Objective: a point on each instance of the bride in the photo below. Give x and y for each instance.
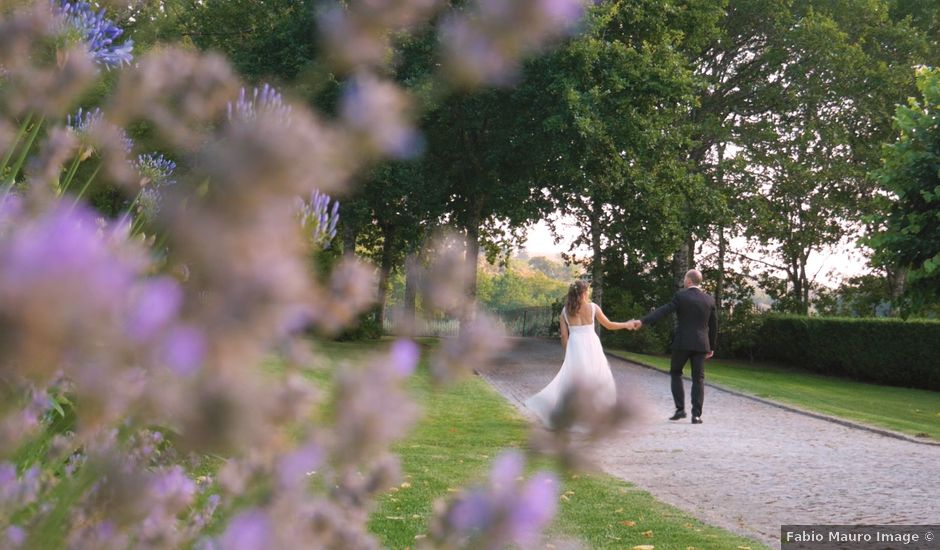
(585, 362)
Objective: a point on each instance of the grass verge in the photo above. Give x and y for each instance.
(465, 426)
(909, 411)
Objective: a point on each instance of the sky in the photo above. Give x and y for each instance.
(541, 242)
(833, 265)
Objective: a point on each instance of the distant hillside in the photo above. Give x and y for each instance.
(523, 283)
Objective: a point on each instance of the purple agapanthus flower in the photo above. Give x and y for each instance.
(83, 122)
(16, 536)
(149, 203)
(64, 245)
(378, 111)
(509, 509)
(156, 168)
(97, 32)
(173, 485)
(472, 512)
(506, 469)
(261, 100)
(11, 205)
(294, 466)
(8, 484)
(184, 349)
(319, 217)
(535, 507)
(16, 491)
(156, 306)
(404, 355)
(249, 530)
(156, 171)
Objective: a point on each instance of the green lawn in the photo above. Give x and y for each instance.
(466, 425)
(909, 411)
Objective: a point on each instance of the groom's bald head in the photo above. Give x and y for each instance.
(693, 277)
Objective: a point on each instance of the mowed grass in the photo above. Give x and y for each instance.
(465, 426)
(910, 411)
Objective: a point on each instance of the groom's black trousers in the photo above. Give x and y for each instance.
(679, 357)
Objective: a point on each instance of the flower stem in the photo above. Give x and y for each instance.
(19, 136)
(136, 199)
(159, 245)
(26, 149)
(130, 212)
(81, 193)
(137, 226)
(70, 175)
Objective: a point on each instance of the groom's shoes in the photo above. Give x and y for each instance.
(696, 419)
(680, 414)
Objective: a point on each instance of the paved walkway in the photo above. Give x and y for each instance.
(751, 467)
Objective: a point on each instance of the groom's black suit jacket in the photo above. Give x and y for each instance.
(697, 327)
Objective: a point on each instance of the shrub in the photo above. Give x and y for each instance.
(738, 332)
(883, 351)
(365, 328)
(623, 307)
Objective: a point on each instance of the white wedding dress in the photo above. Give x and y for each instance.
(585, 363)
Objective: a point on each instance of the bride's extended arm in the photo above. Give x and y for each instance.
(607, 323)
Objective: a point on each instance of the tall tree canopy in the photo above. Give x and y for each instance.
(799, 98)
(609, 115)
(910, 234)
(669, 130)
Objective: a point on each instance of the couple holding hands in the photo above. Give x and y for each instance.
(585, 362)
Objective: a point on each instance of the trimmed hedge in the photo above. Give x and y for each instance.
(883, 351)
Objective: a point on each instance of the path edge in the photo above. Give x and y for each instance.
(791, 408)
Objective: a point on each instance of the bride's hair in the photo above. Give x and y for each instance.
(575, 297)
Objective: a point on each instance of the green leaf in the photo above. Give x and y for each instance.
(57, 406)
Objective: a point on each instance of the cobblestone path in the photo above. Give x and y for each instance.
(751, 467)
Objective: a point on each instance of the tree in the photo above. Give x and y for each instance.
(475, 160)
(909, 235)
(401, 212)
(552, 269)
(862, 296)
(273, 40)
(925, 16)
(840, 65)
(820, 72)
(512, 287)
(733, 64)
(608, 132)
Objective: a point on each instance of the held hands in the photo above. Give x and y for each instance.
(633, 324)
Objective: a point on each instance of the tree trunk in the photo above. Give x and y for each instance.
(804, 298)
(897, 284)
(682, 262)
(597, 260)
(720, 279)
(385, 270)
(800, 293)
(410, 309)
(472, 228)
(350, 236)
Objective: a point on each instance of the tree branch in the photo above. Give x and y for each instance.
(768, 264)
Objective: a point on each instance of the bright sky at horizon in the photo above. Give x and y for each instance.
(833, 265)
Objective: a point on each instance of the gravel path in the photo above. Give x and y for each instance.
(750, 467)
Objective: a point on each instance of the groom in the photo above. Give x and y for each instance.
(696, 332)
